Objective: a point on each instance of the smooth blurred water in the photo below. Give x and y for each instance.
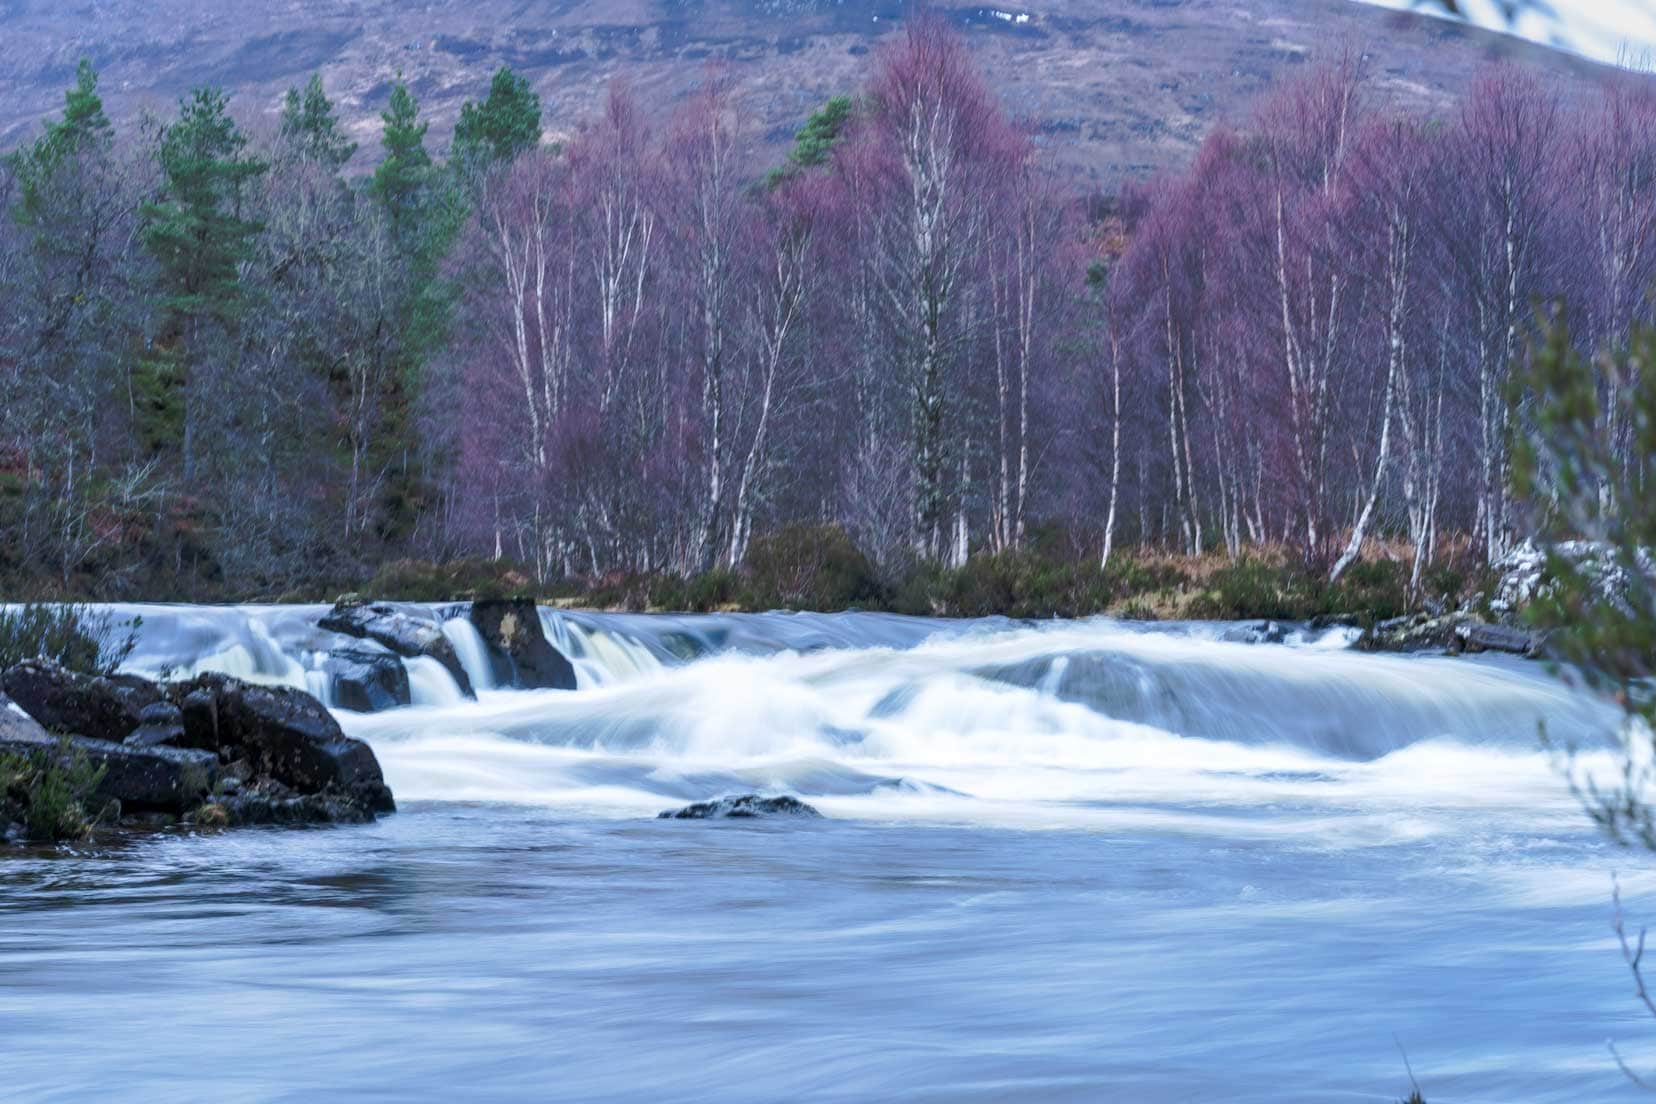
(1088, 862)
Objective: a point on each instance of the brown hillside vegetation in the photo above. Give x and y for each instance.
(1117, 88)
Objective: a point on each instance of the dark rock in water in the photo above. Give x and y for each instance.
(100, 708)
(1417, 633)
(1452, 633)
(220, 752)
(366, 681)
(518, 648)
(405, 634)
(1257, 632)
(141, 779)
(1479, 637)
(273, 803)
(746, 806)
(285, 735)
(159, 724)
(153, 779)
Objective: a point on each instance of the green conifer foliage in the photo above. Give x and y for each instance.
(816, 139)
(402, 176)
(311, 128)
(500, 128)
(83, 128)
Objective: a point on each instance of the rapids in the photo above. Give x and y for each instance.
(1079, 861)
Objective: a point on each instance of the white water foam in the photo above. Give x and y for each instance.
(473, 652)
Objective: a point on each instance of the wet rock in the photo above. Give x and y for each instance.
(367, 681)
(158, 724)
(402, 632)
(1257, 632)
(285, 736)
(1477, 636)
(518, 648)
(100, 708)
(744, 807)
(1414, 633)
(272, 803)
(141, 779)
(151, 779)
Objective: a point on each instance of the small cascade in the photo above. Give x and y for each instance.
(320, 686)
(429, 684)
(600, 658)
(473, 652)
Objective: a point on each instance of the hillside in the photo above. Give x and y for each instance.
(1117, 87)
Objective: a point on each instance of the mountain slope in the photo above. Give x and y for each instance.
(1116, 87)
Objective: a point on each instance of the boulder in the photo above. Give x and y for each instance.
(284, 734)
(1415, 633)
(740, 808)
(366, 681)
(1257, 632)
(100, 708)
(1477, 636)
(402, 632)
(159, 724)
(142, 779)
(518, 648)
(273, 803)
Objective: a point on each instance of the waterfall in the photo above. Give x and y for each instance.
(473, 652)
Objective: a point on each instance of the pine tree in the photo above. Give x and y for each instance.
(814, 141)
(311, 129)
(402, 176)
(84, 127)
(503, 126)
(197, 233)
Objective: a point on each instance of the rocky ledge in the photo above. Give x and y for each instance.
(213, 751)
(747, 806)
(1454, 634)
(368, 675)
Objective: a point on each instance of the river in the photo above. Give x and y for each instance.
(1083, 861)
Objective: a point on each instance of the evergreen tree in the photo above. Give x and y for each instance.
(816, 139)
(199, 236)
(402, 176)
(84, 127)
(504, 125)
(312, 130)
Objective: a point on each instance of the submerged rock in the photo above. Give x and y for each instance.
(518, 649)
(367, 681)
(403, 633)
(101, 708)
(744, 807)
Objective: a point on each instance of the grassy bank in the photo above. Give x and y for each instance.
(820, 569)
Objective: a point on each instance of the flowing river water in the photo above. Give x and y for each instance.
(1069, 861)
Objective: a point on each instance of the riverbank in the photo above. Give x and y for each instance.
(820, 570)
